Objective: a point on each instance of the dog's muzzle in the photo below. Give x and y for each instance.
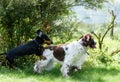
(48, 42)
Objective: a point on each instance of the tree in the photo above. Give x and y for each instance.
(113, 5)
(99, 37)
(17, 19)
(20, 18)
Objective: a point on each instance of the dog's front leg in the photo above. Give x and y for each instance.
(65, 70)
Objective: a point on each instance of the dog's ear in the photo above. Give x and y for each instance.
(39, 33)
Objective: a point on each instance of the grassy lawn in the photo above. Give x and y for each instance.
(91, 74)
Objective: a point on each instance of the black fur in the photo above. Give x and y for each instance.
(32, 47)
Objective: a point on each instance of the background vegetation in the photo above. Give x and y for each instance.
(19, 20)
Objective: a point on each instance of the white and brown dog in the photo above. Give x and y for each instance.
(69, 55)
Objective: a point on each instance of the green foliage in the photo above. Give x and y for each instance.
(105, 58)
(98, 58)
(50, 10)
(19, 19)
(24, 61)
(64, 30)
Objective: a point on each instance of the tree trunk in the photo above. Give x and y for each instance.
(112, 32)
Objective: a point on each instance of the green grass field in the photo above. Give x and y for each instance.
(87, 74)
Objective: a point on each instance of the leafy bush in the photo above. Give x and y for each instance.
(105, 58)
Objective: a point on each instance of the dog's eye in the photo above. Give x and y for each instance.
(83, 39)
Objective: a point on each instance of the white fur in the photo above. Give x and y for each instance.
(47, 64)
(75, 55)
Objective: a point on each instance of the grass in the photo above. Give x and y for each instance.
(91, 74)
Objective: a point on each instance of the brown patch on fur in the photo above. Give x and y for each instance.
(58, 52)
(88, 41)
(47, 42)
(42, 57)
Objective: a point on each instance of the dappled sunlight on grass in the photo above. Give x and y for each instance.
(90, 74)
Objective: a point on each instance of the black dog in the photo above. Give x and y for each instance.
(32, 47)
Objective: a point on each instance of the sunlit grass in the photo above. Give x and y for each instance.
(87, 74)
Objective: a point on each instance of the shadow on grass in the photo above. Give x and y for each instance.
(86, 74)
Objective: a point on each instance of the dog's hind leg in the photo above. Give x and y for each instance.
(49, 65)
(4, 62)
(65, 70)
(10, 62)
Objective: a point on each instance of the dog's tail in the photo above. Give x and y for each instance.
(4, 53)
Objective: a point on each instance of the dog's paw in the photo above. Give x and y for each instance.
(40, 71)
(66, 75)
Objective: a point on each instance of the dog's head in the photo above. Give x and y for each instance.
(87, 40)
(45, 39)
